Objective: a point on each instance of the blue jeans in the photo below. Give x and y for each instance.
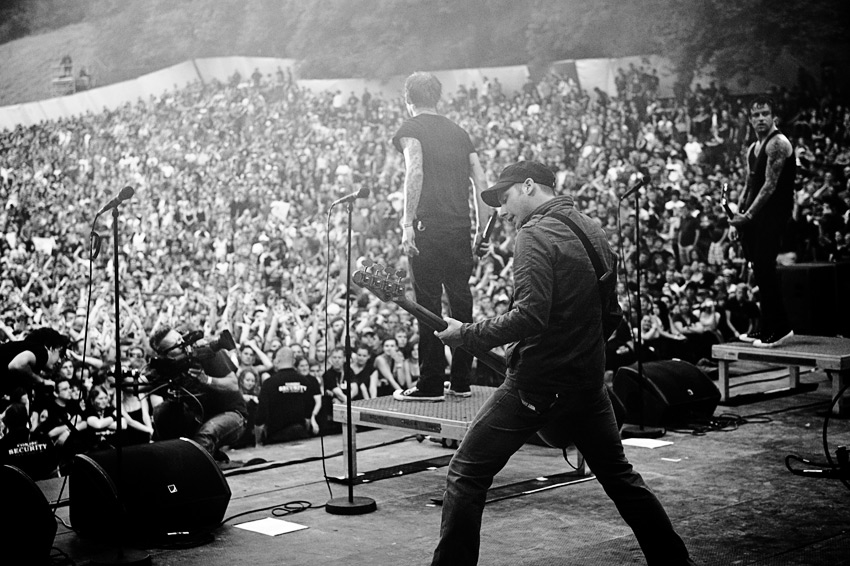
(444, 260)
(505, 422)
(220, 430)
(172, 420)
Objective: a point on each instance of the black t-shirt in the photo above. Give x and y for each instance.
(214, 402)
(446, 147)
(688, 230)
(741, 312)
(9, 380)
(286, 398)
(57, 415)
(331, 379)
(32, 452)
(99, 438)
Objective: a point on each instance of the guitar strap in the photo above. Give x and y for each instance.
(588, 247)
(612, 314)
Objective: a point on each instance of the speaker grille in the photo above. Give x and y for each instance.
(166, 487)
(673, 392)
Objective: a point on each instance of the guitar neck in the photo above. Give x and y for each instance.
(423, 315)
(434, 322)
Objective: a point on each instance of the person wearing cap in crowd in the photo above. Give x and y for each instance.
(440, 161)
(555, 366)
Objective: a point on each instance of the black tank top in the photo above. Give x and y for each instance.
(781, 201)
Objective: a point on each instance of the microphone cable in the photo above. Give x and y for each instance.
(94, 251)
(829, 469)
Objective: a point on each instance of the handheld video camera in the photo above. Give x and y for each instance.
(207, 355)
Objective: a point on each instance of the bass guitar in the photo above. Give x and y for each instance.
(389, 287)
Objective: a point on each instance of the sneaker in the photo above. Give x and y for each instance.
(751, 337)
(774, 340)
(413, 394)
(459, 392)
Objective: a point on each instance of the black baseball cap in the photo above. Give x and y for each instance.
(518, 173)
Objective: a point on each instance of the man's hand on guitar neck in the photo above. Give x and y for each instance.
(451, 335)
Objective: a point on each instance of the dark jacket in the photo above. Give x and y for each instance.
(554, 326)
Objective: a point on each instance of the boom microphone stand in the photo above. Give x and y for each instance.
(350, 505)
(119, 555)
(640, 431)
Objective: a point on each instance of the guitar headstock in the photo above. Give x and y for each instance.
(387, 286)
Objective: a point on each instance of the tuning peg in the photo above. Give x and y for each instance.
(401, 273)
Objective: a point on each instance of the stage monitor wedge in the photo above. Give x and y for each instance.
(169, 488)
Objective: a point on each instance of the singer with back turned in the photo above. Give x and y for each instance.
(441, 166)
(763, 212)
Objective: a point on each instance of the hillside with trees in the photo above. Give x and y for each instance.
(121, 39)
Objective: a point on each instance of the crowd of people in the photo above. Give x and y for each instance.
(231, 227)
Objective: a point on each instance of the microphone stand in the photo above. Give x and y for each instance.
(641, 431)
(119, 555)
(350, 505)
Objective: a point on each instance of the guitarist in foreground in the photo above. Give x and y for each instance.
(555, 365)
(762, 216)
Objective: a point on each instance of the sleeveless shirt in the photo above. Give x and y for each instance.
(781, 201)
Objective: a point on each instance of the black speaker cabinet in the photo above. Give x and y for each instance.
(815, 297)
(27, 525)
(673, 393)
(169, 488)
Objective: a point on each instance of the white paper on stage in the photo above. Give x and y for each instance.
(270, 526)
(645, 442)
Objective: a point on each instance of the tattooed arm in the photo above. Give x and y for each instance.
(413, 176)
(778, 150)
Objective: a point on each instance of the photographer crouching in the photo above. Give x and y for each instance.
(197, 380)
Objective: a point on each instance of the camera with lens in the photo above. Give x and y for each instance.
(200, 353)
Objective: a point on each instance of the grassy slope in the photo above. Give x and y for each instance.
(28, 65)
(142, 37)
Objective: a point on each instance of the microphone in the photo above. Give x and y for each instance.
(482, 239)
(362, 193)
(644, 180)
(126, 193)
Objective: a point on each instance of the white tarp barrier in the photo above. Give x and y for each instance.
(387, 89)
(596, 73)
(166, 80)
(511, 78)
(222, 68)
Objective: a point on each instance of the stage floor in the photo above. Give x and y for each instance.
(727, 491)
